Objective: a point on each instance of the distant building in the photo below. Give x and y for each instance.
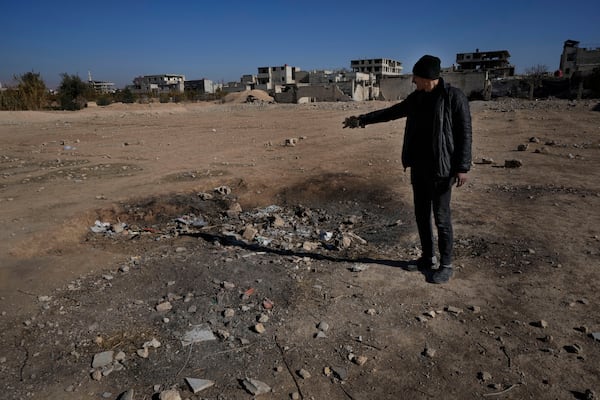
(496, 63)
(167, 83)
(379, 67)
(200, 86)
(274, 78)
(101, 86)
(577, 59)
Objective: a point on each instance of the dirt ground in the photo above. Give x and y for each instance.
(298, 264)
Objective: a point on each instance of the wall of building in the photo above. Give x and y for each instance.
(473, 84)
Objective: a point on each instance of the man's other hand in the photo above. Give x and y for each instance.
(353, 122)
(461, 179)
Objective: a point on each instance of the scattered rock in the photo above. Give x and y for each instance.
(259, 328)
(371, 311)
(513, 163)
(164, 307)
(428, 352)
(127, 395)
(573, 348)
(540, 324)
(359, 267)
(198, 333)
(304, 374)
(453, 310)
(197, 385)
(103, 359)
(169, 395)
(475, 309)
(360, 360)
(340, 373)
(484, 376)
(522, 147)
(595, 336)
(323, 326)
(256, 387)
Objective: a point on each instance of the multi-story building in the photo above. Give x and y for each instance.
(100, 86)
(166, 83)
(200, 86)
(380, 67)
(496, 63)
(578, 59)
(273, 78)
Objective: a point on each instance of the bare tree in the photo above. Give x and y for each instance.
(535, 75)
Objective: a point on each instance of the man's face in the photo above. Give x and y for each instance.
(423, 84)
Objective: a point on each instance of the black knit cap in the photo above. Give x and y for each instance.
(427, 67)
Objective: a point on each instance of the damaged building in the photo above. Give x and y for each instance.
(578, 60)
(496, 63)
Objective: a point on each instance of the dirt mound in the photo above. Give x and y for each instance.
(247, 96)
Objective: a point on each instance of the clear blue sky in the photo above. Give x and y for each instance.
(222, 40)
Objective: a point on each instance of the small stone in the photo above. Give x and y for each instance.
(256, 387)
(98, 340)
(453, 310)
(124, 268)
(97, 375)
(320, 335)
(595, 336)
(102, 359)
(327, 371)
(304, 374)
(169, 395)
(223, 334)
(44, 299)
(429, 352)
(360, 360)
(128, 395)
(263, 318)
(249, 232)
(371, 311)
(197, 385)
(295, 396)
(573, 348)
(540, 324)
(106, 395)
(228, 312)
(69, 388)
(513, 164)
(144, 352)
(323, 326)
(180, 250)
(227, 285)
(475, 309)
(534, 139)
(164, 307)
(259, 328)
(340, 373)
(484, 376)
(522, 147)
(152, 343)
(192, 309)
(430, 314)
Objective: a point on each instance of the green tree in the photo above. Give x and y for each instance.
(32, 90)
(73, 92)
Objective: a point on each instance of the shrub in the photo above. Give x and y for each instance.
(73, 92)
(103, 101)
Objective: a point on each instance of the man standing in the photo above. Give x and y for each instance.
(437, 149)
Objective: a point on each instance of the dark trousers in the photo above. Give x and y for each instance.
(433, 195)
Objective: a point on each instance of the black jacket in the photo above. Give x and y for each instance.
(452, 134)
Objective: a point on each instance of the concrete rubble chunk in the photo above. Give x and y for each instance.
(169, 395)
(164, 307)
(453, 310)
(127, 395)
(102, 359)
(198, 333)
(256, 387)
(197, 385)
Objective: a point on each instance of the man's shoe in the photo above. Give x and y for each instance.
(443, 274)
(423, 263)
